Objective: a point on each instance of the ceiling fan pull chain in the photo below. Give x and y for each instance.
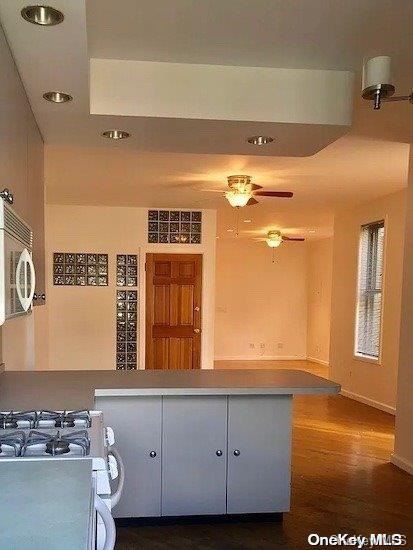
(237, 222)
(273, 255)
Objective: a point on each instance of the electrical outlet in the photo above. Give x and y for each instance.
(251, 345)
(280, 345)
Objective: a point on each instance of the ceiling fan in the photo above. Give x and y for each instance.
(275, 238)
(242, 192)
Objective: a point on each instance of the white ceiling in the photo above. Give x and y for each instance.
(153, 169)
(317, 34)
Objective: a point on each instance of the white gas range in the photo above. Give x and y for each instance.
(48, 436)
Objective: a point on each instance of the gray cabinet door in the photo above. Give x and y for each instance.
(137, 425)
(259, 450)
(193, 473)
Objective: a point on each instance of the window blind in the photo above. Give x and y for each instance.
(370, 281)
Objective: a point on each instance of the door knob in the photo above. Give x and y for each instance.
(219, 452)
(237, 452)
(197, 330)
(152, 454)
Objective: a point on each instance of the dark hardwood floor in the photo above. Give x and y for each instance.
(342, 482)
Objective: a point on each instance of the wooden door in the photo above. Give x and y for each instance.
(194, 464)
(173, 311)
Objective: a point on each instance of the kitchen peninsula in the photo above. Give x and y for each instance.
(193, 442)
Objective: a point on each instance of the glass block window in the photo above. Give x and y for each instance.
(370, 290)
(174, 226)
(80, 269)
(126, 270)
(126, 329)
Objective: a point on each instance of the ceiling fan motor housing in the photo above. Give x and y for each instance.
(240, 183)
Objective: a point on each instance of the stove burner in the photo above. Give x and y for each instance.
(57, 447)
(55, 444)
(14, 441)
(64, 419)
(18, 419)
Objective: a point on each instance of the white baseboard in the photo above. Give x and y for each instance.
(261, 358)
(401, 463)
(320, 361)
(368, 401)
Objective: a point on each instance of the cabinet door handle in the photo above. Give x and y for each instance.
(237, 452)
(152, 454)
(219, 452)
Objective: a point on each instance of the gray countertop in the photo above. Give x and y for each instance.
(76, 389)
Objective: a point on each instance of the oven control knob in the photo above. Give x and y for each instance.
(113, 467)
(110, 436)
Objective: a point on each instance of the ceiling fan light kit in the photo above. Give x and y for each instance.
(242, 191)
(377, 83)
(274, 239)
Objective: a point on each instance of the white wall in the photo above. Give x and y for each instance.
(369, 382)
(80, 321)
(319, 278)
(258, 301)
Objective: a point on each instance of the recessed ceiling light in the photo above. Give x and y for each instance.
(115, 134)
(247, 221)
(260, 140)
(57, 97)
(42, 15)
(230, 230)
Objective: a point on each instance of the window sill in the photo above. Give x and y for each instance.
(366, 359)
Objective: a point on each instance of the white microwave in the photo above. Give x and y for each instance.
(17, 275)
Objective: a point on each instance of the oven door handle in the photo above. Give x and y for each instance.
(115, 497)
(108, 522)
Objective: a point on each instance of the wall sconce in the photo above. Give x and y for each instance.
(377, 85)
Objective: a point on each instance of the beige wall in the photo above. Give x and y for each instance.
(319, 278)
(403, 449)
(80, 321)
(260, 302)
(370, 382)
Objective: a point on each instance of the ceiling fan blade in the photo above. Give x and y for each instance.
(255, 187)
(285, 194)
(251, 202)
(293, 239)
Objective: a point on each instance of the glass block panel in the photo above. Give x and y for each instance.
(69, 258)
(195, 238)
(91, 258)
(58, 257)
(121, 294)
(121, 259)
(80, 258)
(80, 268)
(174, 227)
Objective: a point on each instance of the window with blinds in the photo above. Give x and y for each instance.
(370, 281)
